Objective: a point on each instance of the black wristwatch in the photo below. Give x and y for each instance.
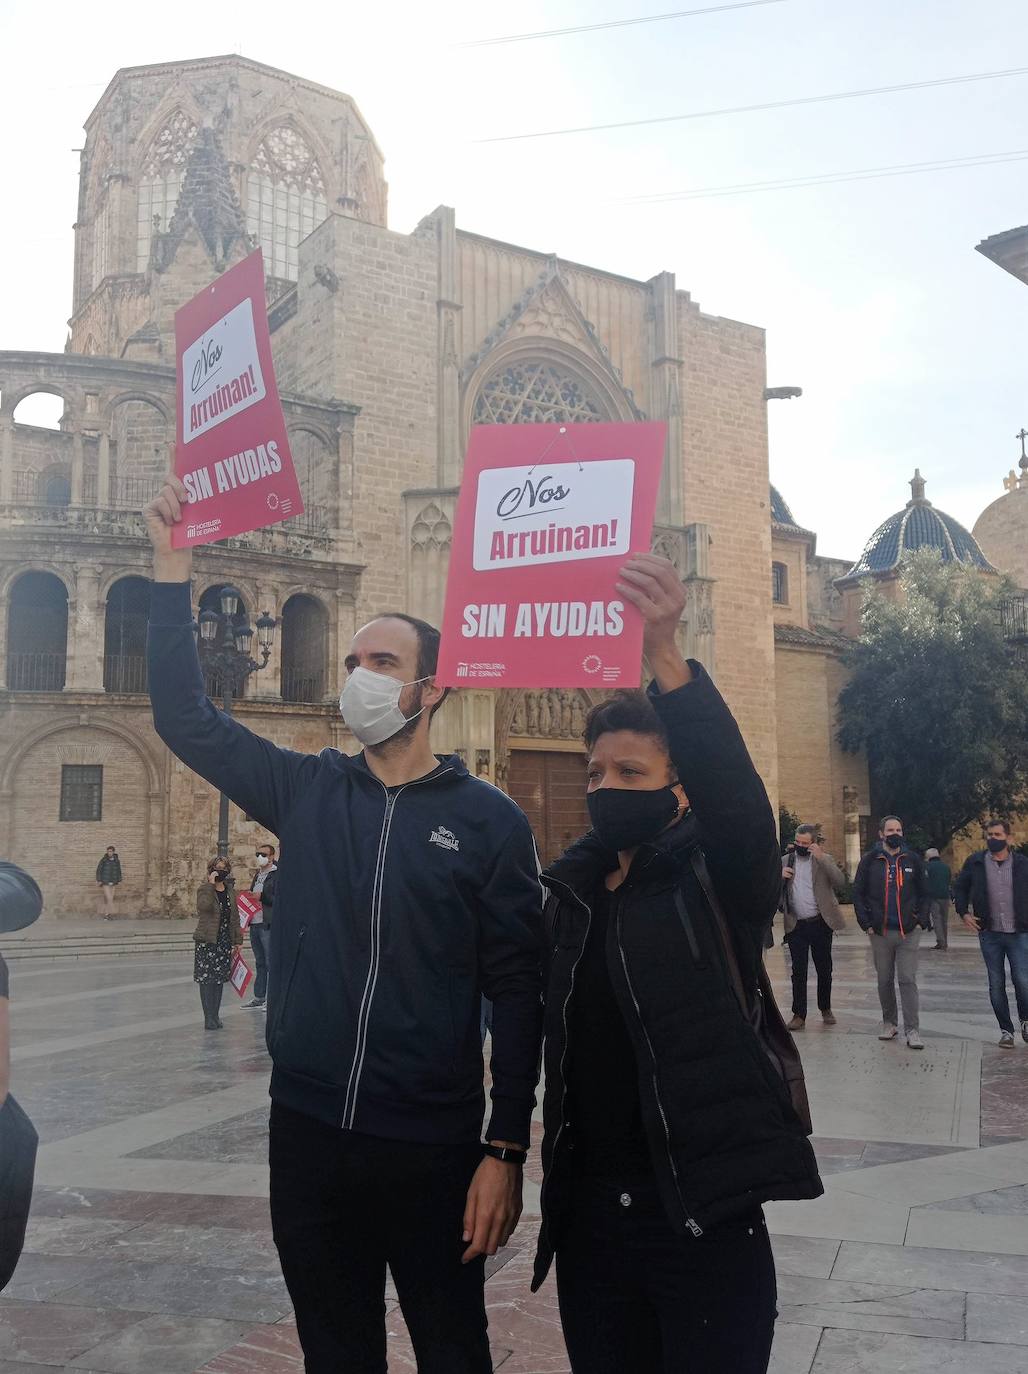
(506, 1154)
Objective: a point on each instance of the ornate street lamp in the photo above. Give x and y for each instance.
(225, 655)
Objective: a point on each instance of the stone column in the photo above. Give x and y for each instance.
(77, 467)
(448, 436)
(103, 473)
(85, 672)
(268, 682)
(666, 395)
(699, 591)
(344, 483)
(6, 459)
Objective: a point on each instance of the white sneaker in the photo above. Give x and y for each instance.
(914, 1041)
(255, 1005)
(1006, 1040)
(887, 1032)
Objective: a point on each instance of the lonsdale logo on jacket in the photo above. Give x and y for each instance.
(441, 836)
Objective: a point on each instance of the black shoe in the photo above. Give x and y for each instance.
(212, 1025)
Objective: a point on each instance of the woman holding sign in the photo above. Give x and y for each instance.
(217, 932)
(667, 1121)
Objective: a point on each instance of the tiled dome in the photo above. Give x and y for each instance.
(780, 512)
(918, 526)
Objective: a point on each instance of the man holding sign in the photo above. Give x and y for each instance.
(408, 891)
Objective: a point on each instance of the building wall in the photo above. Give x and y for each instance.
(813, 770)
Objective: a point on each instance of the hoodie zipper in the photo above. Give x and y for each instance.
(690, 1222)
(370, 983)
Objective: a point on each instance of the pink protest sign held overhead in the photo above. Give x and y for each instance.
(231, 450)
(546, 517)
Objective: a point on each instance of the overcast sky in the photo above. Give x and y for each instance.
(907, 343)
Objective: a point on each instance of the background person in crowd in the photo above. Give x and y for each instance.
(108, 876)
(810, 915)
(890, 898)
(217, 933)
(407, 890)
(937, 876)
(993, 883)
(20, 904)
(263, 886)
(665, 1126)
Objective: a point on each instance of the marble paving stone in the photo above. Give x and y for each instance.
(1011, 1202)
(990, 1235)
(236, 1141)
(9, 1367)
(907, 1266)
(218, 1247)
(170, 1345)
(871, 1307)
(40, 1278)
(804, 1256)
(912, 1185)
(997, 1317)
(861, 1089)
(839, 1216)
(864, 1352)
(794, 1349)
(193, 1290)
(264, 1350)
(72, 1235)
(53, 1334)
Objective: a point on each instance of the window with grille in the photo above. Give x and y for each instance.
(536, 392)
(779, 584)
(285, 198)
(82, 789)
(161, 180)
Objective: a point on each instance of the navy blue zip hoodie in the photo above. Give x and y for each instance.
(395, 910)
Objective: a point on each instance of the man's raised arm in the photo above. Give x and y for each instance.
(258, 776)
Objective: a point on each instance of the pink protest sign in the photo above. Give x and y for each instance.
(231, 446)
(248, 906)
(240, 973)
(546, 516)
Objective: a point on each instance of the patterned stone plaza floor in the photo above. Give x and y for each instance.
(150, 1252)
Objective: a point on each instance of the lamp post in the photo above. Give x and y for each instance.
(225, 653)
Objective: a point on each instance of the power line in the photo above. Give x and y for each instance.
(613, 24)
(767, 105)
(829, 178)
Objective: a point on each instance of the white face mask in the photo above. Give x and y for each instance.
(262, 859)
(370, 703)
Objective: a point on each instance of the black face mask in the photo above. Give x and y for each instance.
(996, 846)
(624, 817)
(802, 851)
(894, 841)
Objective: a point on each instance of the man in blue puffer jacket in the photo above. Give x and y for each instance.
(408, 890)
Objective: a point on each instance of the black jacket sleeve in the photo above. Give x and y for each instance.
(962, 889)
(861, 905)
(736, 825)
(258, 776)
(510, 969)
(268, 894)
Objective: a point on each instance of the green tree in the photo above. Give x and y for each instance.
(938, 702)
(788, 823)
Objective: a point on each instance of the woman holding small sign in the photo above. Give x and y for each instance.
(217, 933)
(674, 1108)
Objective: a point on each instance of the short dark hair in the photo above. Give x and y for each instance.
(881, 823)
(625, 710)
(428, 648)
(1007, 829)
(266, 844)
(806, 829)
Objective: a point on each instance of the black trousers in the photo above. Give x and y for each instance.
(813, 938)
(343, 1207)
(635, 1298)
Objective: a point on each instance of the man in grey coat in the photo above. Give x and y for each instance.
(811, 880)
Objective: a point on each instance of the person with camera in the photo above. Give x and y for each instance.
(667, 1125)
(891, 902)
(217, 934)
(811, 884)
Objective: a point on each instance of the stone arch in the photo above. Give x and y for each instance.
(286, 194)
(147, 397)
(36, 641)
(600, 393)
(11, 575)
(63, 855)
(304, 632)
(126, 606)
(12, 401)
(160, 169)
(53, 485)
(315, 458)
